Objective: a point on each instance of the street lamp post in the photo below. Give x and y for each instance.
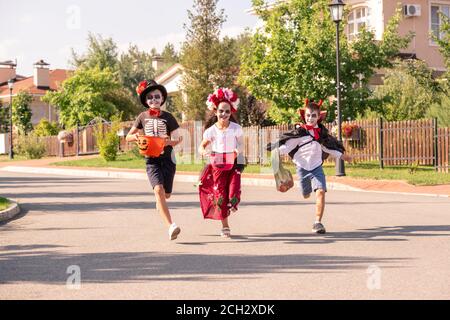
(10, 86)
(337, 10)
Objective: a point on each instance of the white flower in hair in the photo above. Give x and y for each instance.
(221, 95)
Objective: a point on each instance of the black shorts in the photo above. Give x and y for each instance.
(161, 171)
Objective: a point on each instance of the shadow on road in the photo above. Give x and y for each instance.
(381, 234)
(35, 264)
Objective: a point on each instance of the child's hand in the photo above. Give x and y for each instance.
(348, 158)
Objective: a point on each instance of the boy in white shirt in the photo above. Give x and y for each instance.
(305, 145)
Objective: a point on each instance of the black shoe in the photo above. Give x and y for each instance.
(318, 228)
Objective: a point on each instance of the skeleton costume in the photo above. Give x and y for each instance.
(220, 180)
(156, 123)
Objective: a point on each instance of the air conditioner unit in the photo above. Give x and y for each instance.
(411, 10)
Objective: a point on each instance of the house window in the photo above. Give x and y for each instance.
(357, 19)
(436, 20)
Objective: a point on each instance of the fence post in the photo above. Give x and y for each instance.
(435, 142)
(381, 143)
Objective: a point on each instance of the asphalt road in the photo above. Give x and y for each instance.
(106, 234)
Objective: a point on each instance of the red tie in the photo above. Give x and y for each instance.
(316, 131)
(154, 112)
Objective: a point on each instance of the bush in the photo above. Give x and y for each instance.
(107, 139)
(30, 146)
(46, 128)
(135, 152)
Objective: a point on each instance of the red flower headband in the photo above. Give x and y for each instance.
(141, 87)
(223, 95)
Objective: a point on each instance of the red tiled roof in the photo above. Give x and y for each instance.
(57, 76)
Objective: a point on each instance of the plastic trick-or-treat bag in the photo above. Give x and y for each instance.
(283, 177)
(150, 146)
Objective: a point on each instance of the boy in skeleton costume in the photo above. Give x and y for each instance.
(161, 168)
(308, 145)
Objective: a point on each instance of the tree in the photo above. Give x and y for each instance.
(83, 97)
(101, 53)
(170, 57)
(199, 55)
(444, 39)
(21, 112)
(408, 91)
(133, 67)
(294, 58)
(46, 128)
(4, 118)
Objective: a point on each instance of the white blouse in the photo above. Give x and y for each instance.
(308, 156)
(224, 140)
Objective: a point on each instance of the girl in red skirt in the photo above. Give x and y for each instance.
(220, 180)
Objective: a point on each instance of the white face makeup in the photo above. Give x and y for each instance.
(223, 111)
(154, 99)
(311, 117)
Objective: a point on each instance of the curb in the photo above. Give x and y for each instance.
(190, 178)
(10, 213)
(267, 181)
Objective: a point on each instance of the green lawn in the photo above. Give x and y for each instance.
(421, 176)
(5, 157)
(4, 203)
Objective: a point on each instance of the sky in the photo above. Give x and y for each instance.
(48, 29)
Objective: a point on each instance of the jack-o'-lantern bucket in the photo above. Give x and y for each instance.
(150, 146)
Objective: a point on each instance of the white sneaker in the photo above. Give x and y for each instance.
(174, 231)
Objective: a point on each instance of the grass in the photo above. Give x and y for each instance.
(422, 175)
(4, 203)
(5, 157)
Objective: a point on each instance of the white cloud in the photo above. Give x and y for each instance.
(176, 39)
(8, 48)
(232, 31)
(26, 18)
(158, 42)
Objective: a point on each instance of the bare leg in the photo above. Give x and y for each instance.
(320, 204)
(161, 204)
(225, 223)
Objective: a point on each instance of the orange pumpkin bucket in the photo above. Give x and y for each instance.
(150, 146)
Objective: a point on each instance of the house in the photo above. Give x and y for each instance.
(43, 80)
(171, 79)
(419, 16)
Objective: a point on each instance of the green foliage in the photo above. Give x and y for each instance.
(252, 112)
(133, 67)
(441, 110)
(21, 112)
(444, 40)
(46, 128)
(101, 53)
(4, 118)
(294, 57)
(408, 91)
(30, 146)
(127, 70)
(134, 152)
(200, 55)
(107, 138)
(83, 97)
(170, 57)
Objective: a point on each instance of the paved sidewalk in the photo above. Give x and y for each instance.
(336, 183)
